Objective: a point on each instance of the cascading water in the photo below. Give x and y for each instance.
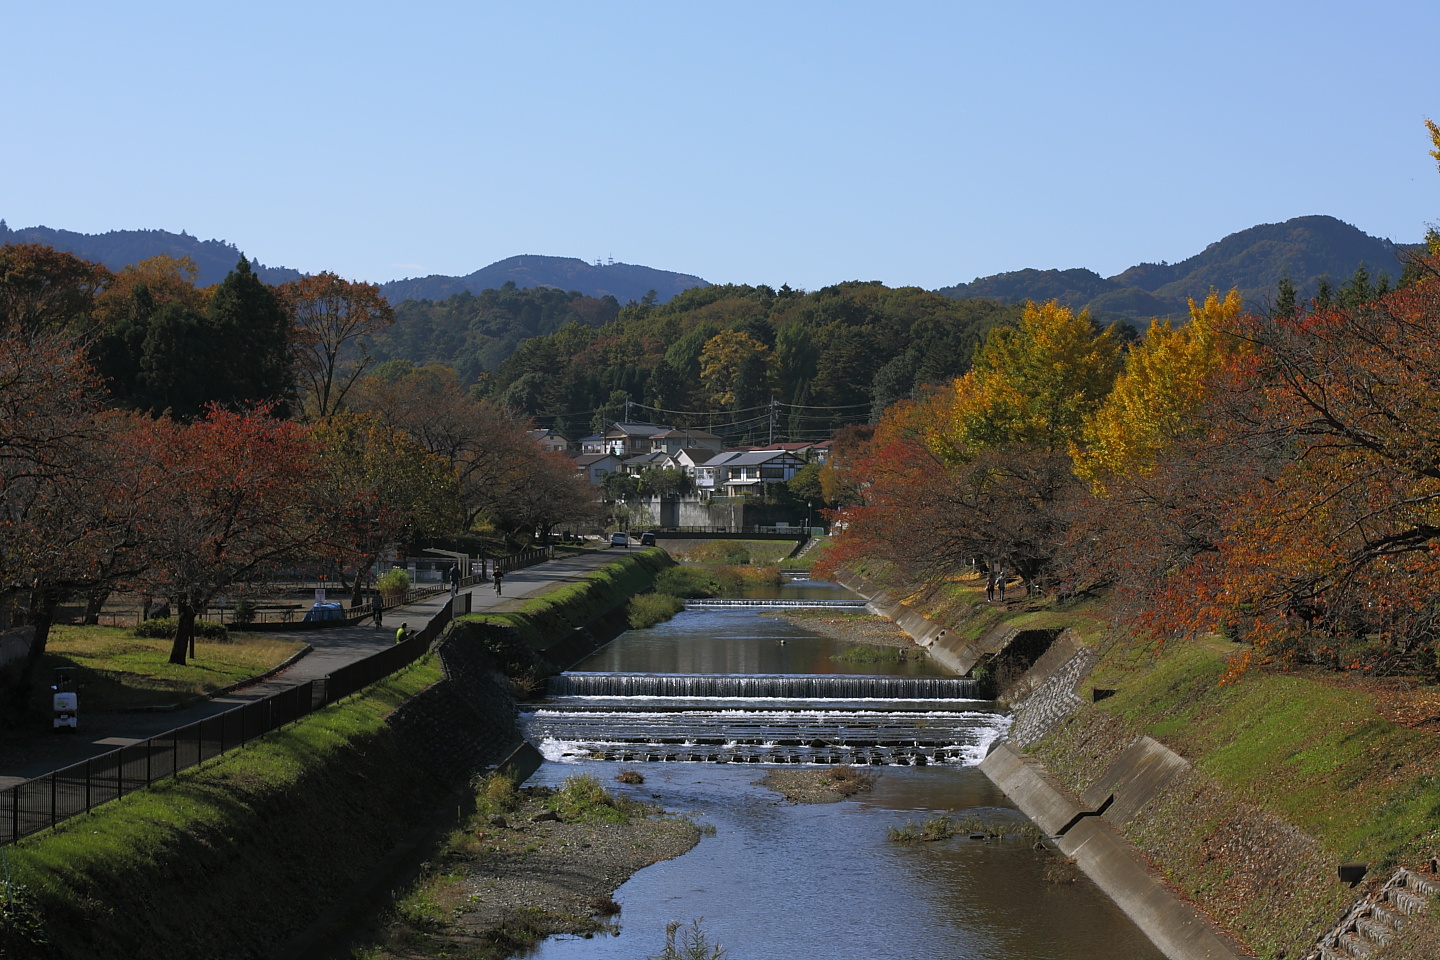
(789, 687)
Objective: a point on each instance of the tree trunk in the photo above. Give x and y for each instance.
(92, 606)
(184, 633)
(361, 572)
(41, 615)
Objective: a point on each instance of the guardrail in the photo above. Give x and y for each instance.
(45, 801)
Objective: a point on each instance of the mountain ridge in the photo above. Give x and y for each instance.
(1306, 249)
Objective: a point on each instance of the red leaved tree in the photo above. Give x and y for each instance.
(238, 504)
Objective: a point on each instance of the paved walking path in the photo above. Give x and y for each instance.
(334, 647)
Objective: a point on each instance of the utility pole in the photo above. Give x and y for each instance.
(774, 411)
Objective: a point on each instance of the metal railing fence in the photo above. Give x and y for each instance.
(45, 801)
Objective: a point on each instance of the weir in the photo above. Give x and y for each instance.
(781, 718)
(766, 686)
(760, 604)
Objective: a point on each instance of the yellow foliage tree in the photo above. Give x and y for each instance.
(1154, 401)
(735, 369)
(1032, 384)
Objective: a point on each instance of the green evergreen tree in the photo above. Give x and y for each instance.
(250, 351)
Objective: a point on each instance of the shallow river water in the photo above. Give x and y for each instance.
(778, 880)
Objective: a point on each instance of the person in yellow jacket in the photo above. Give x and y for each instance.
(403, 633)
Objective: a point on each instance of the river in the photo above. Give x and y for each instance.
(778, 880)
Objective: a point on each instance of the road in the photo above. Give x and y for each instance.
(27, 758)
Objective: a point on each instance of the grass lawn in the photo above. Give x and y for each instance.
(121, 671)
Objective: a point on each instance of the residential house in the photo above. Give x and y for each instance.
(675, 439)
(631, 439)
(549, 440)
(745, 472)
(595, 465)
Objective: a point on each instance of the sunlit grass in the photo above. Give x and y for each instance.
(122, 671)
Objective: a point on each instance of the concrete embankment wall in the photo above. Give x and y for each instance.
(945, 646)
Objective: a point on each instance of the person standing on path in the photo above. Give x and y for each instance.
(498, 577)
(455, 580)
(403, 633)
(377, 610)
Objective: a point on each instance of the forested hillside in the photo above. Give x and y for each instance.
(476, 333)
(833, 356)
(214, 259)
(1305, 249)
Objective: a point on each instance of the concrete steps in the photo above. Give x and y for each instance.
(1372, 922)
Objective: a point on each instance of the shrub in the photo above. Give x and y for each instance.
(584, 797)
(736, 580)
(719, 551)
(648, 609)
(686, 582)
(497, 793)
(394, 582)
(692, 944)
(164, 628)
(245, 611)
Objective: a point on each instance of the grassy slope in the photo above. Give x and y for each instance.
(190, 867)
(233, 857)
(545, 618)
(1294, 773)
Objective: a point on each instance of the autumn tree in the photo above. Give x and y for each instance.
(494, 460)
(1325, 543)
(378, 485)
(238, 505)
(1166, 381)
(1034, 383)
(71, 500)
(42, 288)
(735, 370)
(333, 319)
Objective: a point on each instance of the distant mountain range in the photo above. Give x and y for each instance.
(1305, 249)
(216, 258)
(623, 281)
(120, 248)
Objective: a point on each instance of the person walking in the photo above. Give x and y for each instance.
(455, 580)
(498, 577)
(403, 633)
(377, 610)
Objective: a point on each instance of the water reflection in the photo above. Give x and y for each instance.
(737, 641)
(780, 880)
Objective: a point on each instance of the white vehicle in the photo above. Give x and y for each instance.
(66, 702)
(67, 710)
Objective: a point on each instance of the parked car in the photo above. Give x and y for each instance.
(619, 540)
(647, 539)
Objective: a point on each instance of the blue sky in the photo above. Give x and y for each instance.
(808, 143)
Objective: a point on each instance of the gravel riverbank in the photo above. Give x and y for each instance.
(543, 866)
(851, 627)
